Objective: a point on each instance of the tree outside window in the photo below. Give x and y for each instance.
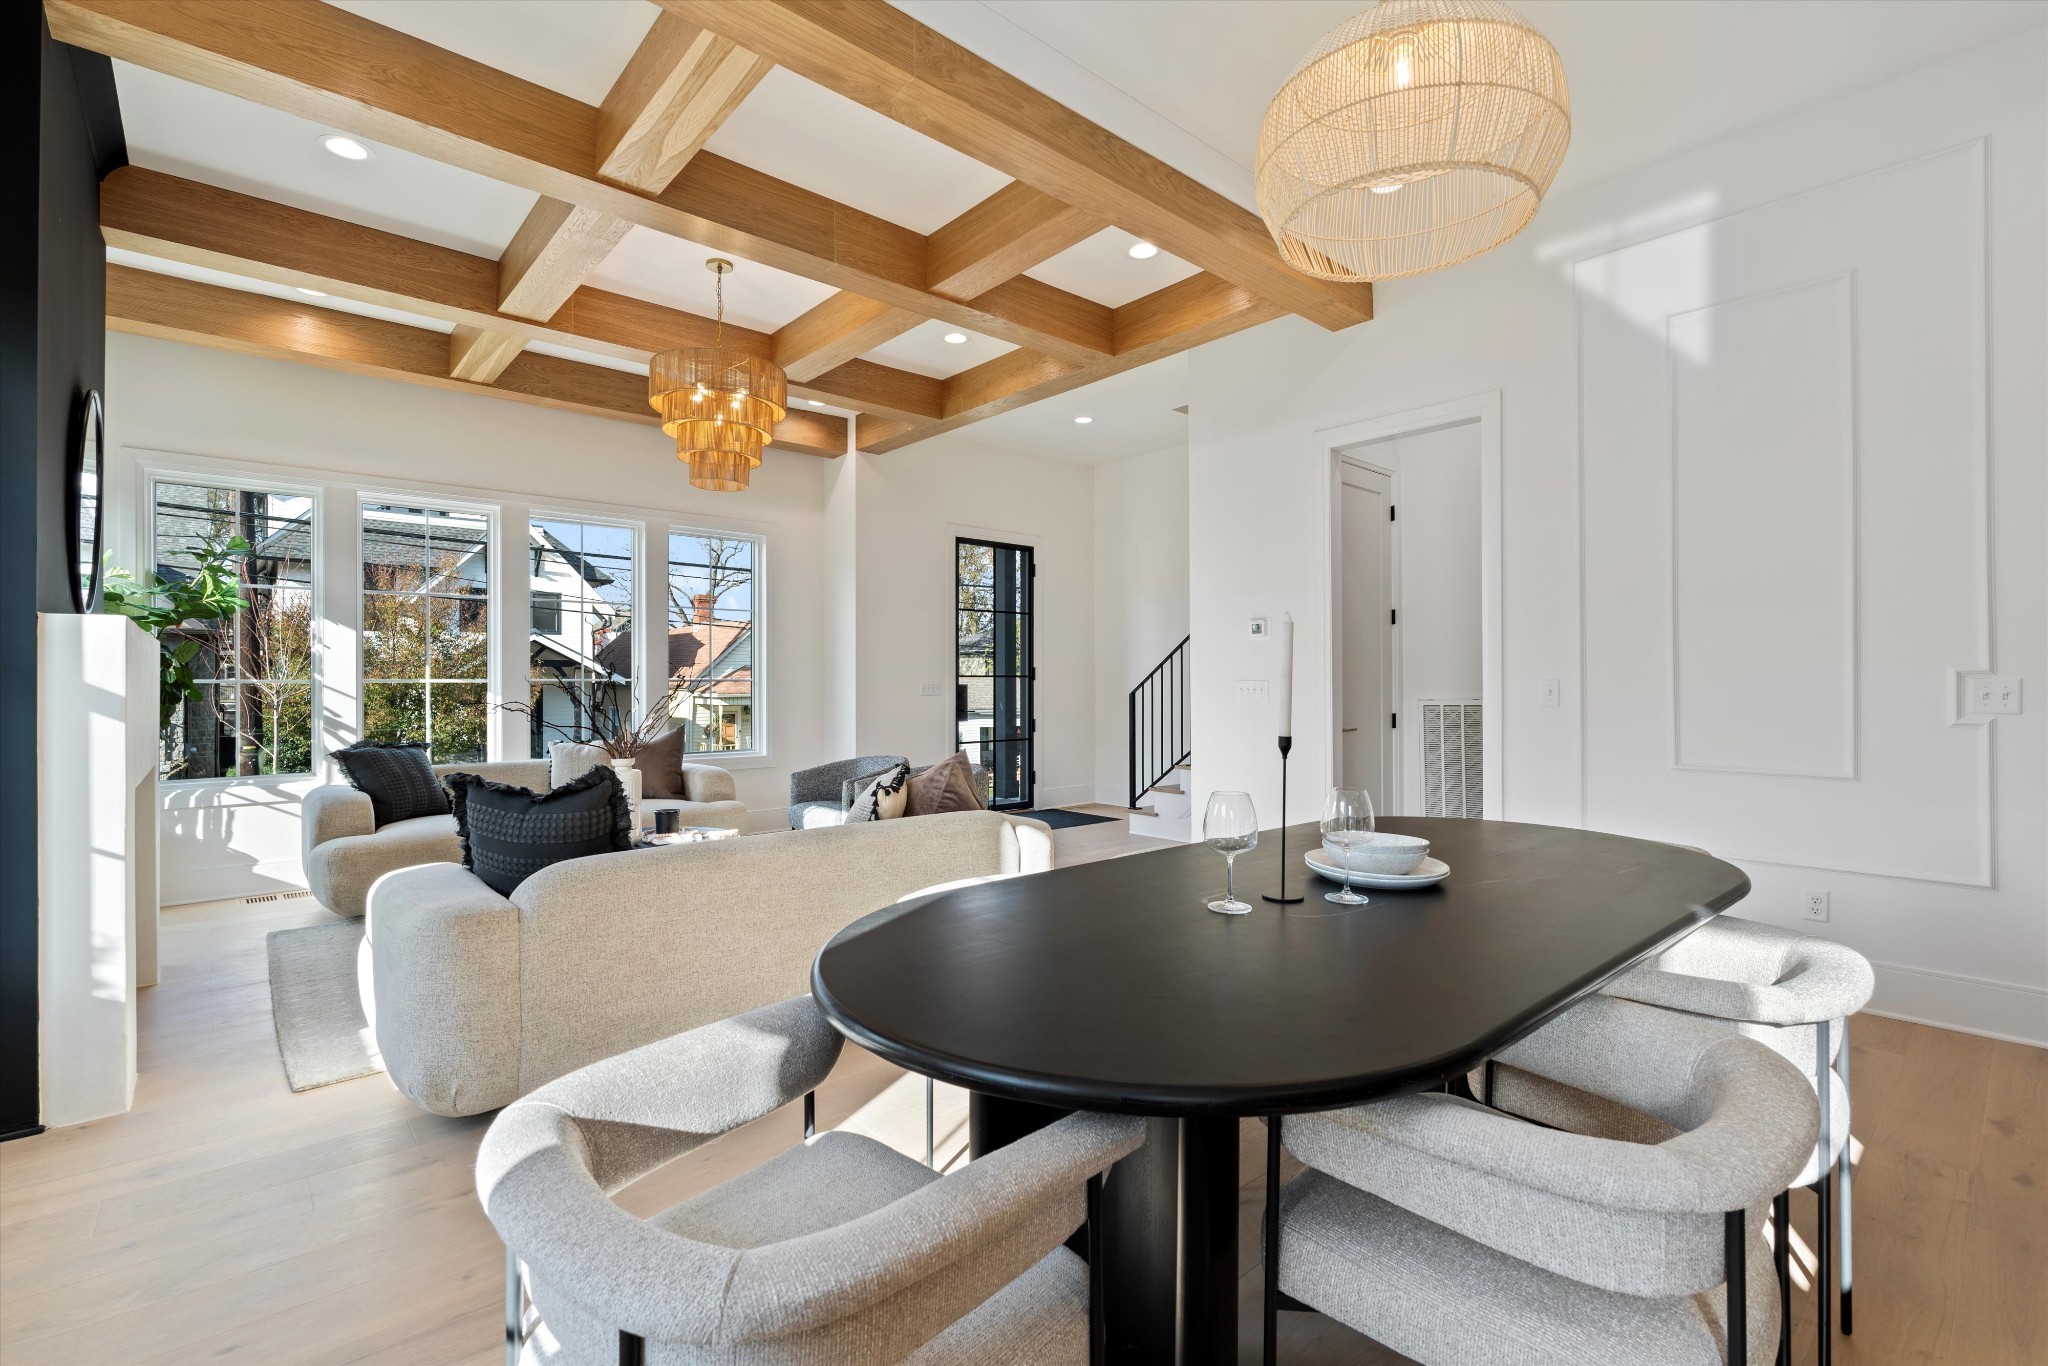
(426, 629)
(584, 664)
(254, 670)
(711, 639)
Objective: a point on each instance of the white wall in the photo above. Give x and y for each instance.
(235, 838)
(1436, 493)
(1141, 608)
(909, 507)
(1931, 546)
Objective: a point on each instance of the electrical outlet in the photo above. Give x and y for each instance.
(1553, 691)
(1816, 905)
(1251, 689)
(929, 690)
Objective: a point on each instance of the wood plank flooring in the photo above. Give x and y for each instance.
(225, 1217)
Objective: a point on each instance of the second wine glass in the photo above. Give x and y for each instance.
(1347, 825)
(1230, 826)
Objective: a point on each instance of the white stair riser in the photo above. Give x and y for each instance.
(1169, 805)
(1179, 828)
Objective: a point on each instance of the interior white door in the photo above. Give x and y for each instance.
(1365, 660)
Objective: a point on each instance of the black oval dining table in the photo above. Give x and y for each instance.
(1110, 986)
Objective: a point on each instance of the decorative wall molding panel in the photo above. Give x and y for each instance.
(1784, 476)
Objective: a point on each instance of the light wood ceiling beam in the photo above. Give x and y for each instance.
(879, 56)
(1178, 318)
(356, 76)
(151, 305)
(182, 220)
(984, 248)
(681, 83)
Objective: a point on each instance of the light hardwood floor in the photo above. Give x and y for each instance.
(225, 1217)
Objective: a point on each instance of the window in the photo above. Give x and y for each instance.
(993, 707)
(711, 639)
(426, 629)
(253, 672)
(581, 653)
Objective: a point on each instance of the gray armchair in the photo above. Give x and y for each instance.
(1454, 1233)
(817, 795)
(840, 1250)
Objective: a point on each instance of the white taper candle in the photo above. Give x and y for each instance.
(1287, 673)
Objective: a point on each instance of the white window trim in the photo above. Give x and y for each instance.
(640, 529)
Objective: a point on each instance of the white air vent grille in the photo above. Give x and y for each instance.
(1453, 757)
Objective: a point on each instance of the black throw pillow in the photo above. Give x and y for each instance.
(397, 778)
(509, 834)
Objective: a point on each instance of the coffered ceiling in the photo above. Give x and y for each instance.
(535, 184)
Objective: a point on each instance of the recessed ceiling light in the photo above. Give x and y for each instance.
(348, 149)
(1386, 187)
(1143, 251)
(814, 403)
(956, 337)
(315, 293)
(1084, 421)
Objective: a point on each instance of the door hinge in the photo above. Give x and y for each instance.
(1390, 512)
(1393, 616)
(1394, 721)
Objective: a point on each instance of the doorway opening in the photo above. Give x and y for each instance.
(1411, 666)
(994, 707)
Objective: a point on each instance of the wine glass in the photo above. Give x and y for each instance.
(1347, 825)
(1230, 827)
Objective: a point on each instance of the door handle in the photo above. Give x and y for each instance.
(1350, 730)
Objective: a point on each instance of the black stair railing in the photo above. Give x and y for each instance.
(1159, 722)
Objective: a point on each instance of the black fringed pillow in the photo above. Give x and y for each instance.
(398, 779)
(509, 834)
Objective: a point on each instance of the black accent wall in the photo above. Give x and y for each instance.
(60, 102)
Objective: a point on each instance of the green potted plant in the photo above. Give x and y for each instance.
(160, 606)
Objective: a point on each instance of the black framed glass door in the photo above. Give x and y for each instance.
(994, 719)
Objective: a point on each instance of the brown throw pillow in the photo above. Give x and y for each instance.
(947, 785)
(661, 765)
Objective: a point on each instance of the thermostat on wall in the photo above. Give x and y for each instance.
(1258, 628)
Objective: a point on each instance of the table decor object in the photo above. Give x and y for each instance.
(1386, 853)
(1347, 824)
(1427, 873)
(1230, 826)
(1286, 713)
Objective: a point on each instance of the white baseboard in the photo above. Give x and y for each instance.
(227, 881)
(1971, 1005)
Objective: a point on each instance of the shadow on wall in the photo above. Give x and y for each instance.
(229, 841)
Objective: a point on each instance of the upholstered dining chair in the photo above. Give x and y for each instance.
(837, 1250)
(1455, 1233)
(1795, 993)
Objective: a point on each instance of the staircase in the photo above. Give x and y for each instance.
(1159, 803)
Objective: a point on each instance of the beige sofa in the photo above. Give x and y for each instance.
(476, 998)
(344, 850)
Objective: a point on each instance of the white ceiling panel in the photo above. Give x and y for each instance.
(669, 270)
(206, 276)
(1133, 413)
(1103, 269)
(797, 130)
(631, 367)
(925, 350)
(190, 131)
(576, 48)
(1189, 80)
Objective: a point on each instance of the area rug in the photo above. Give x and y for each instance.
(322, 1033)
(1064, 820)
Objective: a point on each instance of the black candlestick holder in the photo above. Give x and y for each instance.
(1286, 744)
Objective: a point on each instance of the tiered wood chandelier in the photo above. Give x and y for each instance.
(721, 406)
(1413, 136)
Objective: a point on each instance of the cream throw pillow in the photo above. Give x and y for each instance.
(568, 761)
(884, 798)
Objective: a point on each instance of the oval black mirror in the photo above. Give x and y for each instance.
(84, 478)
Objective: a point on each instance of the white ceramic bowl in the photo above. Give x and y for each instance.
(1387, 853)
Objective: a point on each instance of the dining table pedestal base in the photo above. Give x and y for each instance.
(1169, 1232)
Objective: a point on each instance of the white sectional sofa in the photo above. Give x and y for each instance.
(345, 851)
(477, 998)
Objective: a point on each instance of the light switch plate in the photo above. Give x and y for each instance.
(1978, 697)
(930, 690)
(1251, 689)
(1553, 691)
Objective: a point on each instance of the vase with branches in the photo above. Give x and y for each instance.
(595, 714)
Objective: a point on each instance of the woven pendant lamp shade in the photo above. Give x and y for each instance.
(720, 405)
(1413, 136)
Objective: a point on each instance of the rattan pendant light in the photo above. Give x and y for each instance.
(720, 405)
(1413, 136)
